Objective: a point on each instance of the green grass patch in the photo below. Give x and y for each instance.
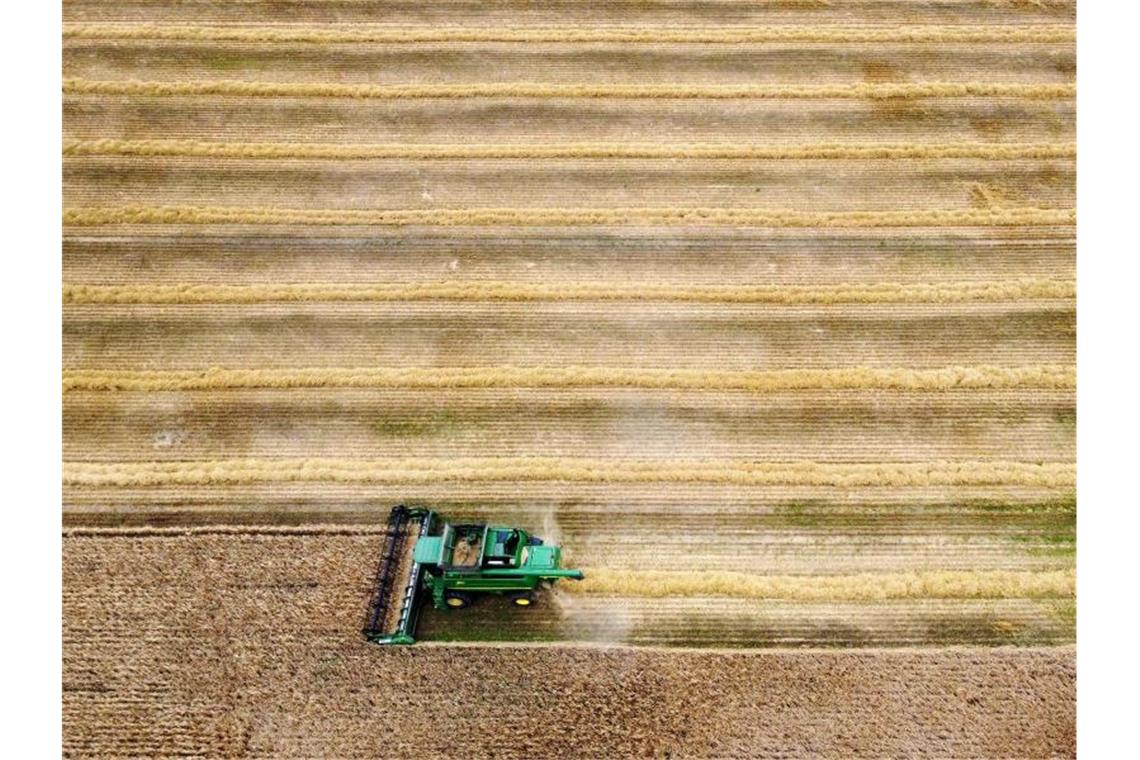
(226, 62)
(407, 427)
(1067, 504)
(1064, 610)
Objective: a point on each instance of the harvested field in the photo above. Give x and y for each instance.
(847, 424)
(765, 311)
(258, 636)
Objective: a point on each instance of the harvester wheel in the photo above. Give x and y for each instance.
(456, 600)
(524, 599)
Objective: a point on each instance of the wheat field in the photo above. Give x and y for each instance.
(765, 311)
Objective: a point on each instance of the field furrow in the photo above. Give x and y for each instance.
(497, 13)
(522, 120)
(737, 63)
(531, 503)
(777, 426)
(680, 258)
(665, 336)
(525, 184)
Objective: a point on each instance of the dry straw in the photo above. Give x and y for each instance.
(1016, 290)
(419, 470)
(78, 86)
(938, 584)
(885, 378)
(975, 217)
(420, 151)
(1040, 33)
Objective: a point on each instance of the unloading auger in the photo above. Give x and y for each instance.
(423, 555)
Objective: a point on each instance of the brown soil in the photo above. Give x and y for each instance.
(238, 646)
(316, 578)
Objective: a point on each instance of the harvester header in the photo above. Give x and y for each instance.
(424, 555)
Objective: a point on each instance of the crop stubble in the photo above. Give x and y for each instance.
(821, 316)
(247, 644)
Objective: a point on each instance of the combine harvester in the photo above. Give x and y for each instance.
(423, 554)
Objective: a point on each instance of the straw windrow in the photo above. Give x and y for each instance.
(980, 376)
(1038, 33)
(875, 91)
(525, 217)
(423, 151)
(936, 584)
(875, 293)
(532, 469)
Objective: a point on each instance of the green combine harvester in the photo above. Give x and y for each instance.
(423, 555)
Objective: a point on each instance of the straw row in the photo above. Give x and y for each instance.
(79, 86)
(871, 587)
(857, 378)
(973, 217)
(423, 470)
(1042, 33)
(884, 293)
(335, 151)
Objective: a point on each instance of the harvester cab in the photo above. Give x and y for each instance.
(422, 555)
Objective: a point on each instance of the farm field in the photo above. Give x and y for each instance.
(764, 311)
(248, 645)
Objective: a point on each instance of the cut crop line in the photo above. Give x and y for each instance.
(423, 470)
(856, 378)
(869, 587)
(334, 151)
(177, 531)
(79, 86)
(933, 584)
(744, 217)
(901, 293)
(1041, 33)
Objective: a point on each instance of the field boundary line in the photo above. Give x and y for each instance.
(973, 377)
(1030, 33)
(772, 650)
(872, 293)
(868, 587)
(424, 151)
(420, 470)
(175, 531)
(481, 217)
(876, 91)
